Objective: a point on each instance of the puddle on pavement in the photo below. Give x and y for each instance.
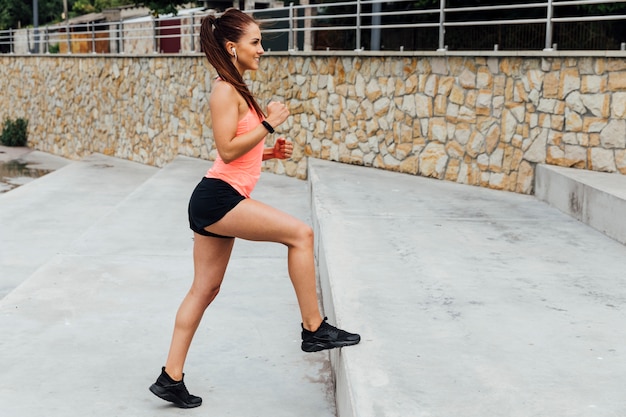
(15, 173)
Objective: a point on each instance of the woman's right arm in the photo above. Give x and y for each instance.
(225, 104)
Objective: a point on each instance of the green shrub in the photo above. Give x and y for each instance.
(14, 132)
(53, 48)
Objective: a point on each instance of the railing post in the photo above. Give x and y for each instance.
(120, 49)
(442, 28)
(11, 40)
(549, 14)
(93, 37)
(193, 47)
(358, 26)
(36, 26)
(154, 35)
(47, 40)
(69, 35)
(376, 20)
(290, 38)
(307, 43)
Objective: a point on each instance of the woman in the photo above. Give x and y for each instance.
(220, 208)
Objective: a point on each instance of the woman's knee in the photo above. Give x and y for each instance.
(205, 293)
(304, 235)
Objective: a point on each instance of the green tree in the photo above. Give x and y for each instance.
(15, 13)
(164, 6)
(19, 13)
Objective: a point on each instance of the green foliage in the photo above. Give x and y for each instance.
(13, 12)
(94, 6)
(164, 6)
(19, 13)
(607, 8)
(54, 48)
(81, 7)
(14, 132)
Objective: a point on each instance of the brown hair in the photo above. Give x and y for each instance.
(214, 33)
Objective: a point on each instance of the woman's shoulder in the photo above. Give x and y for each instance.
(223, 87)
(225, 96)
(223, 92)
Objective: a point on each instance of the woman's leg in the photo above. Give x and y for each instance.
(253, 220)
(210, 259)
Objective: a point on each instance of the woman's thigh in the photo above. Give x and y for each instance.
(211, 256)
(253, 220)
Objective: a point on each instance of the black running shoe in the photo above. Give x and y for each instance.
(174, 391)
(327, 337)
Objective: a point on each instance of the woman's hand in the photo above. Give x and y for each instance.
(276, 113)
(283, 149)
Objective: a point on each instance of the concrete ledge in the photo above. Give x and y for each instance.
(469, 301)
(597, 199)
(343, 391)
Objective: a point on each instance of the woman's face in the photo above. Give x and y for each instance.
(249, 49)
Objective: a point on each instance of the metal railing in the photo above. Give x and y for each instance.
(350, 25)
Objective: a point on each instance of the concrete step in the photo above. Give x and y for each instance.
(470, 302)
(597, 199)
(41, 218)
(88, 331)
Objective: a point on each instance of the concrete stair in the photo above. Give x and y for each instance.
(96, 258)
(470, 302)
(597, 199)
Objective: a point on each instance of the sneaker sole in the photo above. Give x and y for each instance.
(316, 347)
(164, 395)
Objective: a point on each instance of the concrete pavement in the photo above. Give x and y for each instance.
(470, 302)
(86, 332)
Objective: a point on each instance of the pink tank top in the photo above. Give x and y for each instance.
(244, 172)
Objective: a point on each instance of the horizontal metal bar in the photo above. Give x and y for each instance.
(151, 30)
(588, 18)
(496, 22)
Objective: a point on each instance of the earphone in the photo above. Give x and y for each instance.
(234, 52)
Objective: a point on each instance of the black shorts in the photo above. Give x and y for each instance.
(209, 202)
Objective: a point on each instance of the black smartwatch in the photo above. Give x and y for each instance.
(268, 126)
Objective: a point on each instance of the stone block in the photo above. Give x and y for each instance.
(457, 95)
(618, 105)
(597, 104)
(475, 145)
(433, 160)
(569, 81)
(438, 129)
(593, 84)
(525, 178)
(614, 135)
(602, 160)
(617, 81)
(594, 124)
(452, 170)
(620, 160)
(551, 85)
(423, 105)
(484, 79)
(536, 152)
(467, 79)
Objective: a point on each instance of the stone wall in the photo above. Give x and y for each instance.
(480, 120)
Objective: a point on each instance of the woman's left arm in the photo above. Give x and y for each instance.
(282, 149)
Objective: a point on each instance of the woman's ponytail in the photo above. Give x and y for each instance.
(214, 33)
